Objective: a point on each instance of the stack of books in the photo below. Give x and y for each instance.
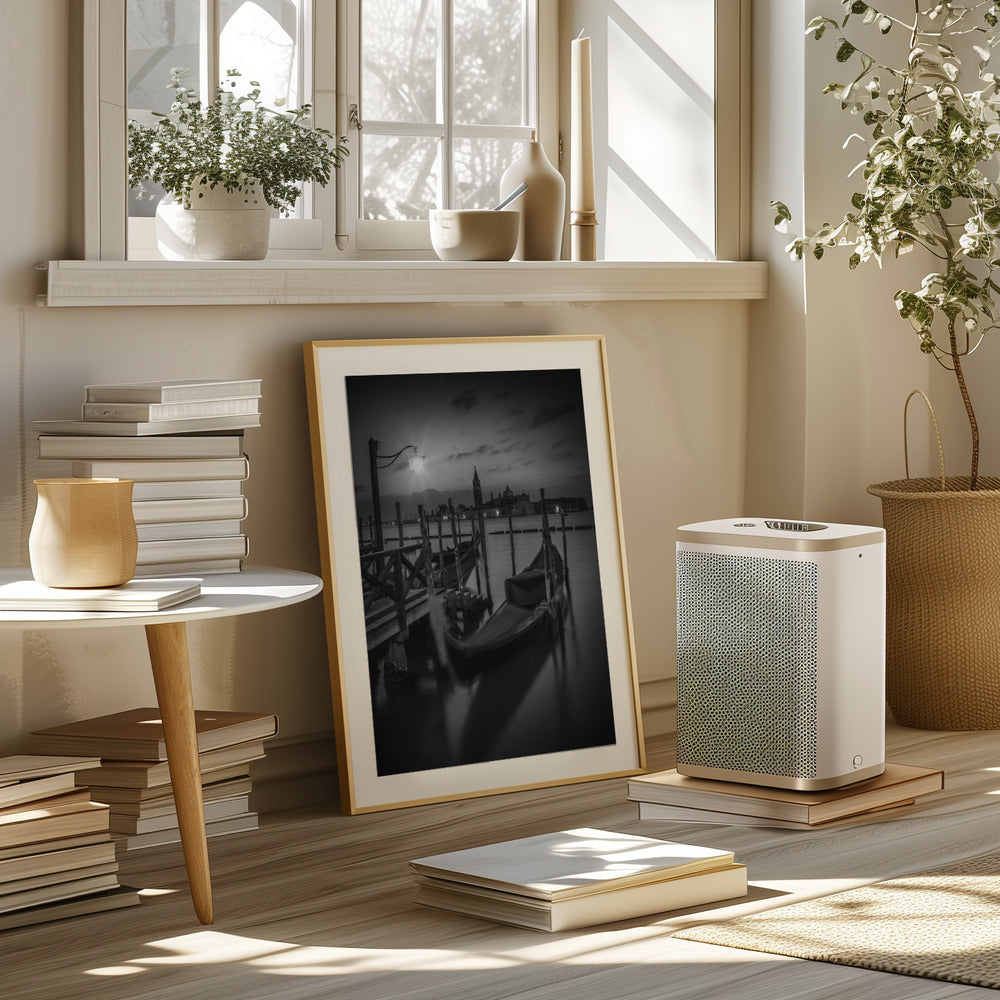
(181, 441)
(667, 795)
(57, 857)
(132, 776)
(577, 878)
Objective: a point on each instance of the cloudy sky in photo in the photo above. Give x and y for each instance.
(522, 429)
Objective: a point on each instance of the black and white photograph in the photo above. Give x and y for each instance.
(478, 567)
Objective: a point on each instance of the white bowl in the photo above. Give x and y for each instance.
(474, 234)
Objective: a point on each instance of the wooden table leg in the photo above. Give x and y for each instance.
(168, 654)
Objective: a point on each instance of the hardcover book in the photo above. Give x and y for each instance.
(599, 907)
(97, 902)
(171, 411)
(571, 863)
(143, 470)
(80, 446)
(141, 428)
(22, 767)
(137, 734)
(575, 878)
(154, 776)
(171, 390)
(898, 782)
(657, 812)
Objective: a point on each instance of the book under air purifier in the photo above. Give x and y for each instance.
(781, 652)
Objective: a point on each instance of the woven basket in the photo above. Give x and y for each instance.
(943, 599)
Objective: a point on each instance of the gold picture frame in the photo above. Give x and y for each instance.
(478, 622)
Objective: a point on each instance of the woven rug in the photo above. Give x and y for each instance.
(938, 924)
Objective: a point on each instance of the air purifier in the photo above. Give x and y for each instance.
(781, 652)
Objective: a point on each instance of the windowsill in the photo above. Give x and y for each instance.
(283, 282)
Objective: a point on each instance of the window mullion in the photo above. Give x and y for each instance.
(208, 69)
(446, 109)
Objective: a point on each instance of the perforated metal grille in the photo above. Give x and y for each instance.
(746, 663)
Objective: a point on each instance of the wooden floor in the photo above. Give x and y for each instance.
(318, 905)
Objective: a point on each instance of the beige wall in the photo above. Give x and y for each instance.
(832, 362)
(678, 388)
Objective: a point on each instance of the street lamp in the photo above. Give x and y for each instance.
(416, 462)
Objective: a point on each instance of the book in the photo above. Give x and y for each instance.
(89, 446)
(15, 887)
(58, 891)
(898, 781)
(147, 469)
(137, 734)
(148, 801)
(214, 810)
(59, 843)
(135, 595)
(683, 814)
(196, 567)
(20, 792)
(184, 489)
(171, 411)
(142, 428)
(171, 550)
(597, 907)
(67, 859)
(158, 532)
(159, 800)
(98, 902)
(208, 508)
(571, 863)
(54, 805)
(89, 818)
(157, 838)
(216, 765)
(171, 390)
(25, 766)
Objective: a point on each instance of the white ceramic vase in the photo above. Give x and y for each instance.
(83, 533)
(219, 225)
(542, 206)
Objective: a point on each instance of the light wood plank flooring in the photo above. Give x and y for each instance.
(318, 905)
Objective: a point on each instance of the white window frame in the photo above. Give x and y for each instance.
(102, 222)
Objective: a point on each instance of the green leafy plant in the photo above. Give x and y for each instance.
(234, 142)
(929, 176)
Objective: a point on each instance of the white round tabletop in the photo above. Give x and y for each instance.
(256, 588)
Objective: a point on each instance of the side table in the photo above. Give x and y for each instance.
(257, 588)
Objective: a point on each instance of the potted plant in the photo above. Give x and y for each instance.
(928, 184)
(227, 167)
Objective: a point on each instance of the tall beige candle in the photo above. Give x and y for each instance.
(583, 216)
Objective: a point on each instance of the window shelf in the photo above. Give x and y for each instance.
(282, 282)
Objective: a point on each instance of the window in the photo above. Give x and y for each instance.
(443, 92)
(442, 114)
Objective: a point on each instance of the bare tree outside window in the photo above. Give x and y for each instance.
(440, 82)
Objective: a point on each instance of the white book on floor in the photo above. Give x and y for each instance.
(605, 906)
(136, 595)
(571, 863)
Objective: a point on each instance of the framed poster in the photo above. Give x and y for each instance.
(477, 607)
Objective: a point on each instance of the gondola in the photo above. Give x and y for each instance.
(530, 605)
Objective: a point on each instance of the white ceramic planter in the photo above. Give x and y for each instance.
(219, 225)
